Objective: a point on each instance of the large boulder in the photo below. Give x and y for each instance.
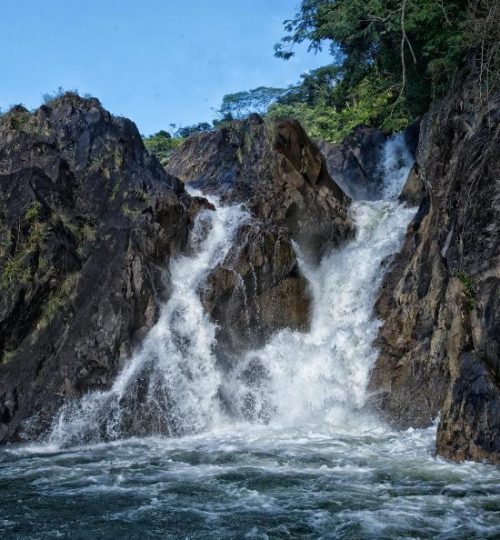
(256, 289)
(88, 221)
(440, 341)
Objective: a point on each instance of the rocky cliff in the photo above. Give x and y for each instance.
(440, 341)
(88, 221)
(279, 174)
(276, 171)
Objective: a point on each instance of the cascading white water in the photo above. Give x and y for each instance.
(395, 164)
(171, 386)
(320, 377)
(320, 468)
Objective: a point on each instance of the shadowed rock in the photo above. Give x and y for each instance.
(278, 173)
(354, 162)
(257, 289)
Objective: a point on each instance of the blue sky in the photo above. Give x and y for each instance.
(155, 61)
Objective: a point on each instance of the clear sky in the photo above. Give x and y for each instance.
(155, 61)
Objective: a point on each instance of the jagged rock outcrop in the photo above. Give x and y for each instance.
(440, 341)
(278, 173)
(88, 221)
(414, 191)
(355, 163)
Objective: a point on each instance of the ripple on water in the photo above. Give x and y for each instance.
(248, 483)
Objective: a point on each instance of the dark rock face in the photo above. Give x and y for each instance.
(281, 177)
(87, 223)
(354, 162)
(276, 171)
(440, 341)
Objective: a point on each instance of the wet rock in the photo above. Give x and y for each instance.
(470, 426)
(413, 191)
(257, 289)
(281, 177)
(88, 221)
(353, 163)
(439, 344)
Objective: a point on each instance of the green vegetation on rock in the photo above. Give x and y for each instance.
(391, 59)
(57, 301)
(470, 294)
(162, 144)
(16, 249)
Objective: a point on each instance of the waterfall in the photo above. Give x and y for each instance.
(320, 377)
(170, 385)
(173, 385)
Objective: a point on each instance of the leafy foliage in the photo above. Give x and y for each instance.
(162, 145)
(55, 98)
(185, 132)
(368, 103)
(398, 41)
(237, 106)
(469, 290)
(392, 58)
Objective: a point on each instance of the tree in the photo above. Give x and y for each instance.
(241, 104)
(400, 43)
(187, 131)
(161, 145)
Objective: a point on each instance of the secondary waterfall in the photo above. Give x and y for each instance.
(170, 385)
(320, 377)
(173, 384)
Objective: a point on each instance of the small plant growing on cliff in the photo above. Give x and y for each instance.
(33, 212)
(8, 354)
(470, 294)
(54, 98)
(130, 213)
(4, 231)
(15, 268)
(57, 301)
(17, 117)
(140, 194)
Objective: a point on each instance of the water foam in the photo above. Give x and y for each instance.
(320, 377)
(170, 385)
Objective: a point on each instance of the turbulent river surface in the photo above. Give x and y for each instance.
(279, 446)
